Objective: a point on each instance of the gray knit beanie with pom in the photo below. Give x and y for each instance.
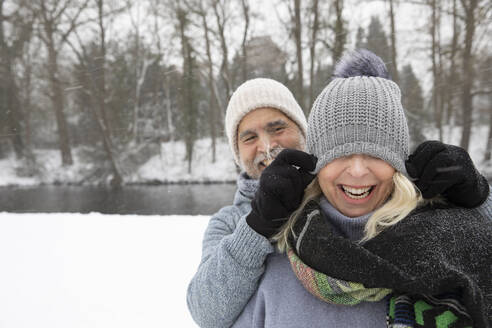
(359, 112)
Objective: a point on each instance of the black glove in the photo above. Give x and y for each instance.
(447, 170)
(280, 191)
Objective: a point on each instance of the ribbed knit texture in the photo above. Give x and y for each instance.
(359, 114)
(260, 93)
(351, 228)
(281, 301)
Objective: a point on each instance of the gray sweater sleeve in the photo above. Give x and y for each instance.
(232, 263)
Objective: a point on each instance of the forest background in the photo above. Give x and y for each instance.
(105, 87)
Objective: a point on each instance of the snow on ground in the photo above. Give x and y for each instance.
(172, 167)
(50, 168)
(8, 174)
(93, 270)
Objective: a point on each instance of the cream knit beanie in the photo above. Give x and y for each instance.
(260, 93)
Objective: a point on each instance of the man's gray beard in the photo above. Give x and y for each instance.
(252, 167)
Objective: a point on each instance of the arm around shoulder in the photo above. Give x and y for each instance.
(232, 263)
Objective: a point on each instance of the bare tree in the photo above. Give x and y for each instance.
(297, 30)
(486, 85)
(307, 26)
(472, 15)
(222, 16)
(436, 72)
(488, 149)
(246, 16)
(452, 74)
(312, 48)
(339, 31)
(11, 50)
(58, 20)
(26, 88)
(394, 65)
(471, 8)
(142, 64)
(294, 27)
(188, 100)
(155, 11)
(96, 70)
(214, 99)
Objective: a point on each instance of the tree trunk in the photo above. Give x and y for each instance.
(212, 104)
(100, 92)
(58, 103)
(136, 104)
(53, 18)
(468, 73)
(188, 101)
(14, 116)
(102, 65)
(244, 62)
(298, 41)
(312, 50)
(340, 33)
(394, 62)
(435, 71)
(488, 150)
(106, 138)
(452, 71)
(224, 68)
(11, 105)
(170, 123)
(442, 87)
(27, 106)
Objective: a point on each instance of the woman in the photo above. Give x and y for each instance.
(362, 241)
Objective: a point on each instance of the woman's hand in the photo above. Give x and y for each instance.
(281, 189)
(447, 170)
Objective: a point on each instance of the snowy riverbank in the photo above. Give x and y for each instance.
(93, 270)
(170, 166)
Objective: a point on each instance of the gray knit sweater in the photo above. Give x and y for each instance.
(232, 263)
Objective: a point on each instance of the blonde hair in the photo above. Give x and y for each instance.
(404, 198)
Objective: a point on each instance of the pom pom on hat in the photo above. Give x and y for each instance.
(361, 62)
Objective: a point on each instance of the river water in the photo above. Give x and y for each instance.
(190, 199)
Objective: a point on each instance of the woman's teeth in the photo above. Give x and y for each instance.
(356, 193)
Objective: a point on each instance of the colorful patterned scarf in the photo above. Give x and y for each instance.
(333, 290)
(403, 311)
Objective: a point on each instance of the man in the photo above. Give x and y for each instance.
(261, 119)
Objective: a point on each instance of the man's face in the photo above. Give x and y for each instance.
(261, 134)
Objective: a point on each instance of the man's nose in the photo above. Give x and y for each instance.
(266, 143)
(357, 166)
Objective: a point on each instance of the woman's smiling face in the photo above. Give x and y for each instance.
(357, 184)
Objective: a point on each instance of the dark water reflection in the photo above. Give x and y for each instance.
(190, 199)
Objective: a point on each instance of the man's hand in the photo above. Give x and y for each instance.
(447, 170)
(281, 190)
